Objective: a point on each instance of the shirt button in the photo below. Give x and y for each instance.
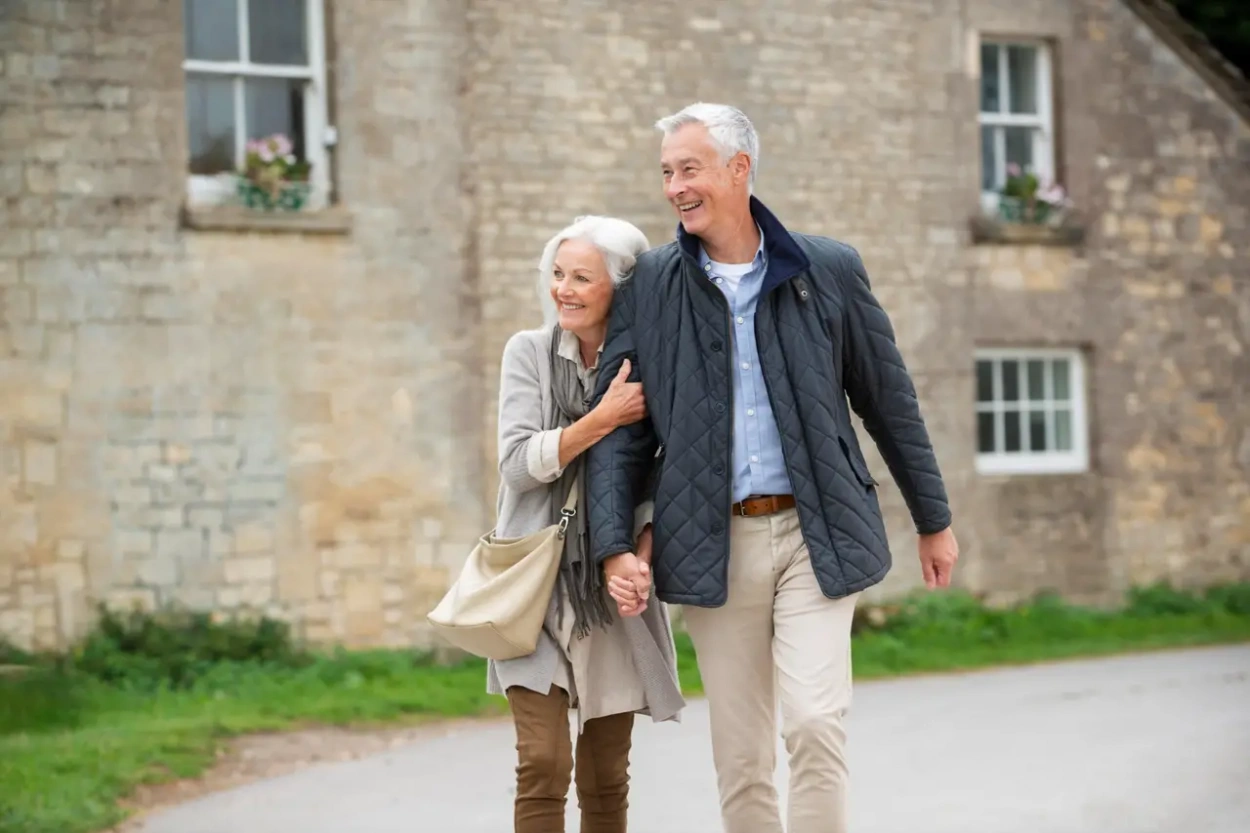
(746, 365)
(754, 459)
(716, 280)
(741, 320)
(750, 412)
(707, 268)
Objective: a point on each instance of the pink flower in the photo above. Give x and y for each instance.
(1053, 194)
(281, 144)
(265, 152)
(1013, 169)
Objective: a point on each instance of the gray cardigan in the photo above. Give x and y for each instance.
(629, 667)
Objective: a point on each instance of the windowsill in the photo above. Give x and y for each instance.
(996, 465)
(233, 218)
(993, 231)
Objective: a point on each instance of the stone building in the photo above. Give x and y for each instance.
(294, 413)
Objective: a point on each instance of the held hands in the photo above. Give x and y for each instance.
(629, 577)
(624, 402)
(938, 554)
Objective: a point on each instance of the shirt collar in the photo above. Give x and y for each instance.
(705, 261)
(570, 347)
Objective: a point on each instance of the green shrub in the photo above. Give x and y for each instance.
(174, 648)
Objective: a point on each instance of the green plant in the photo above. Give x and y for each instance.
(273, 176)
(10, 654)
(1024, 200)
(174, 648)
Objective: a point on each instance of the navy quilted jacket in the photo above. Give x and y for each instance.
(823, 339)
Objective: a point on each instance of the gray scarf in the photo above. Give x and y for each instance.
(580, 577)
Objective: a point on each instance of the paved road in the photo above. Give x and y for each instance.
(1156, 743)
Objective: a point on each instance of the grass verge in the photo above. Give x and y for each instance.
(151, 701)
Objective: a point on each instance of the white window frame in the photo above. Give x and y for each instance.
(216, 189)
(1042, 121)
(1072, 461)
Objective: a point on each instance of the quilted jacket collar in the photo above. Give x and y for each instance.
(785, 258)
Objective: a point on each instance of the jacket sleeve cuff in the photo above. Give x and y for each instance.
(542, 457)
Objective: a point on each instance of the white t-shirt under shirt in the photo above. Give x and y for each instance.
(731, 272)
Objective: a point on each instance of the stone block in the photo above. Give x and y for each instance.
(133, 541)
(159, 571)
(40, 463)
(36, 410)
(253, 537)
(192, 597)
(131, 598)
(68, 549)
(362, 593)
(267, 490)
(297, 577)
(250, 570)
(180, 544)
(256, 595)
(205, 516)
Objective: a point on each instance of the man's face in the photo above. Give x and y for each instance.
(697, 183)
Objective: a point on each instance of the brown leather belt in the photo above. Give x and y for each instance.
(754, 507)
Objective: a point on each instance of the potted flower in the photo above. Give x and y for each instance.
(1023, 200)
(272, 177)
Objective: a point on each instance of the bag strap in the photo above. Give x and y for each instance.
(570, 505)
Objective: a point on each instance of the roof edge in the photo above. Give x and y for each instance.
(1192, 47)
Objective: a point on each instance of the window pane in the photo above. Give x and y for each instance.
(1062, 392)
(1011, 428)
(276, 105)
(1037, 430)
(991, 96)
(985, 381)
(1063, 430)
(210, 124)
(1022, 75)
(276, 32)
(1020, 146)
(1037, 389)
(989, 159)
(985, 433)
(1011, 381)
(211, 28)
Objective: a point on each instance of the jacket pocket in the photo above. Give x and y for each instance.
(857, 464)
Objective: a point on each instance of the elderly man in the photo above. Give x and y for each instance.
(749, 339)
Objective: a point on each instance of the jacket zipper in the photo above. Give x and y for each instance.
(729, 450)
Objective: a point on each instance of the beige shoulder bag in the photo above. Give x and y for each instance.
(497, 606)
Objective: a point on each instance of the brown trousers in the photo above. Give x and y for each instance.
(545, 765)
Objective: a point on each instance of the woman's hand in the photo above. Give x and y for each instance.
(630, 597)
(624, 402)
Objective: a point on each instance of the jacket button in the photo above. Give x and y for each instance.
(718, 469)
(716, 345)
(719, 407)
(717, 529)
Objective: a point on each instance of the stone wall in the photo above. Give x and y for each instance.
(1159, 302)
(233, 421)
(305, 424)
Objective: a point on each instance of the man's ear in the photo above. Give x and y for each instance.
(740, 164)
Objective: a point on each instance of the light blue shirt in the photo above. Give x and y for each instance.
(759, 467)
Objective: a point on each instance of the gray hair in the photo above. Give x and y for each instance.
(619, 242)
(729, 127)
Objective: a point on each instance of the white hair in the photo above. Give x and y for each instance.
(729, 127)
(619, 242)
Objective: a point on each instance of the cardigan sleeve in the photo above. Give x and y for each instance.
(529, 456)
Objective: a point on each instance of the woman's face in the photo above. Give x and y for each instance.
(581, 287)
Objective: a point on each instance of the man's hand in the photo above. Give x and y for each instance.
(629, 582)
(938, 554)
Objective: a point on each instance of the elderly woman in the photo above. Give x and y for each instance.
(589, 657)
